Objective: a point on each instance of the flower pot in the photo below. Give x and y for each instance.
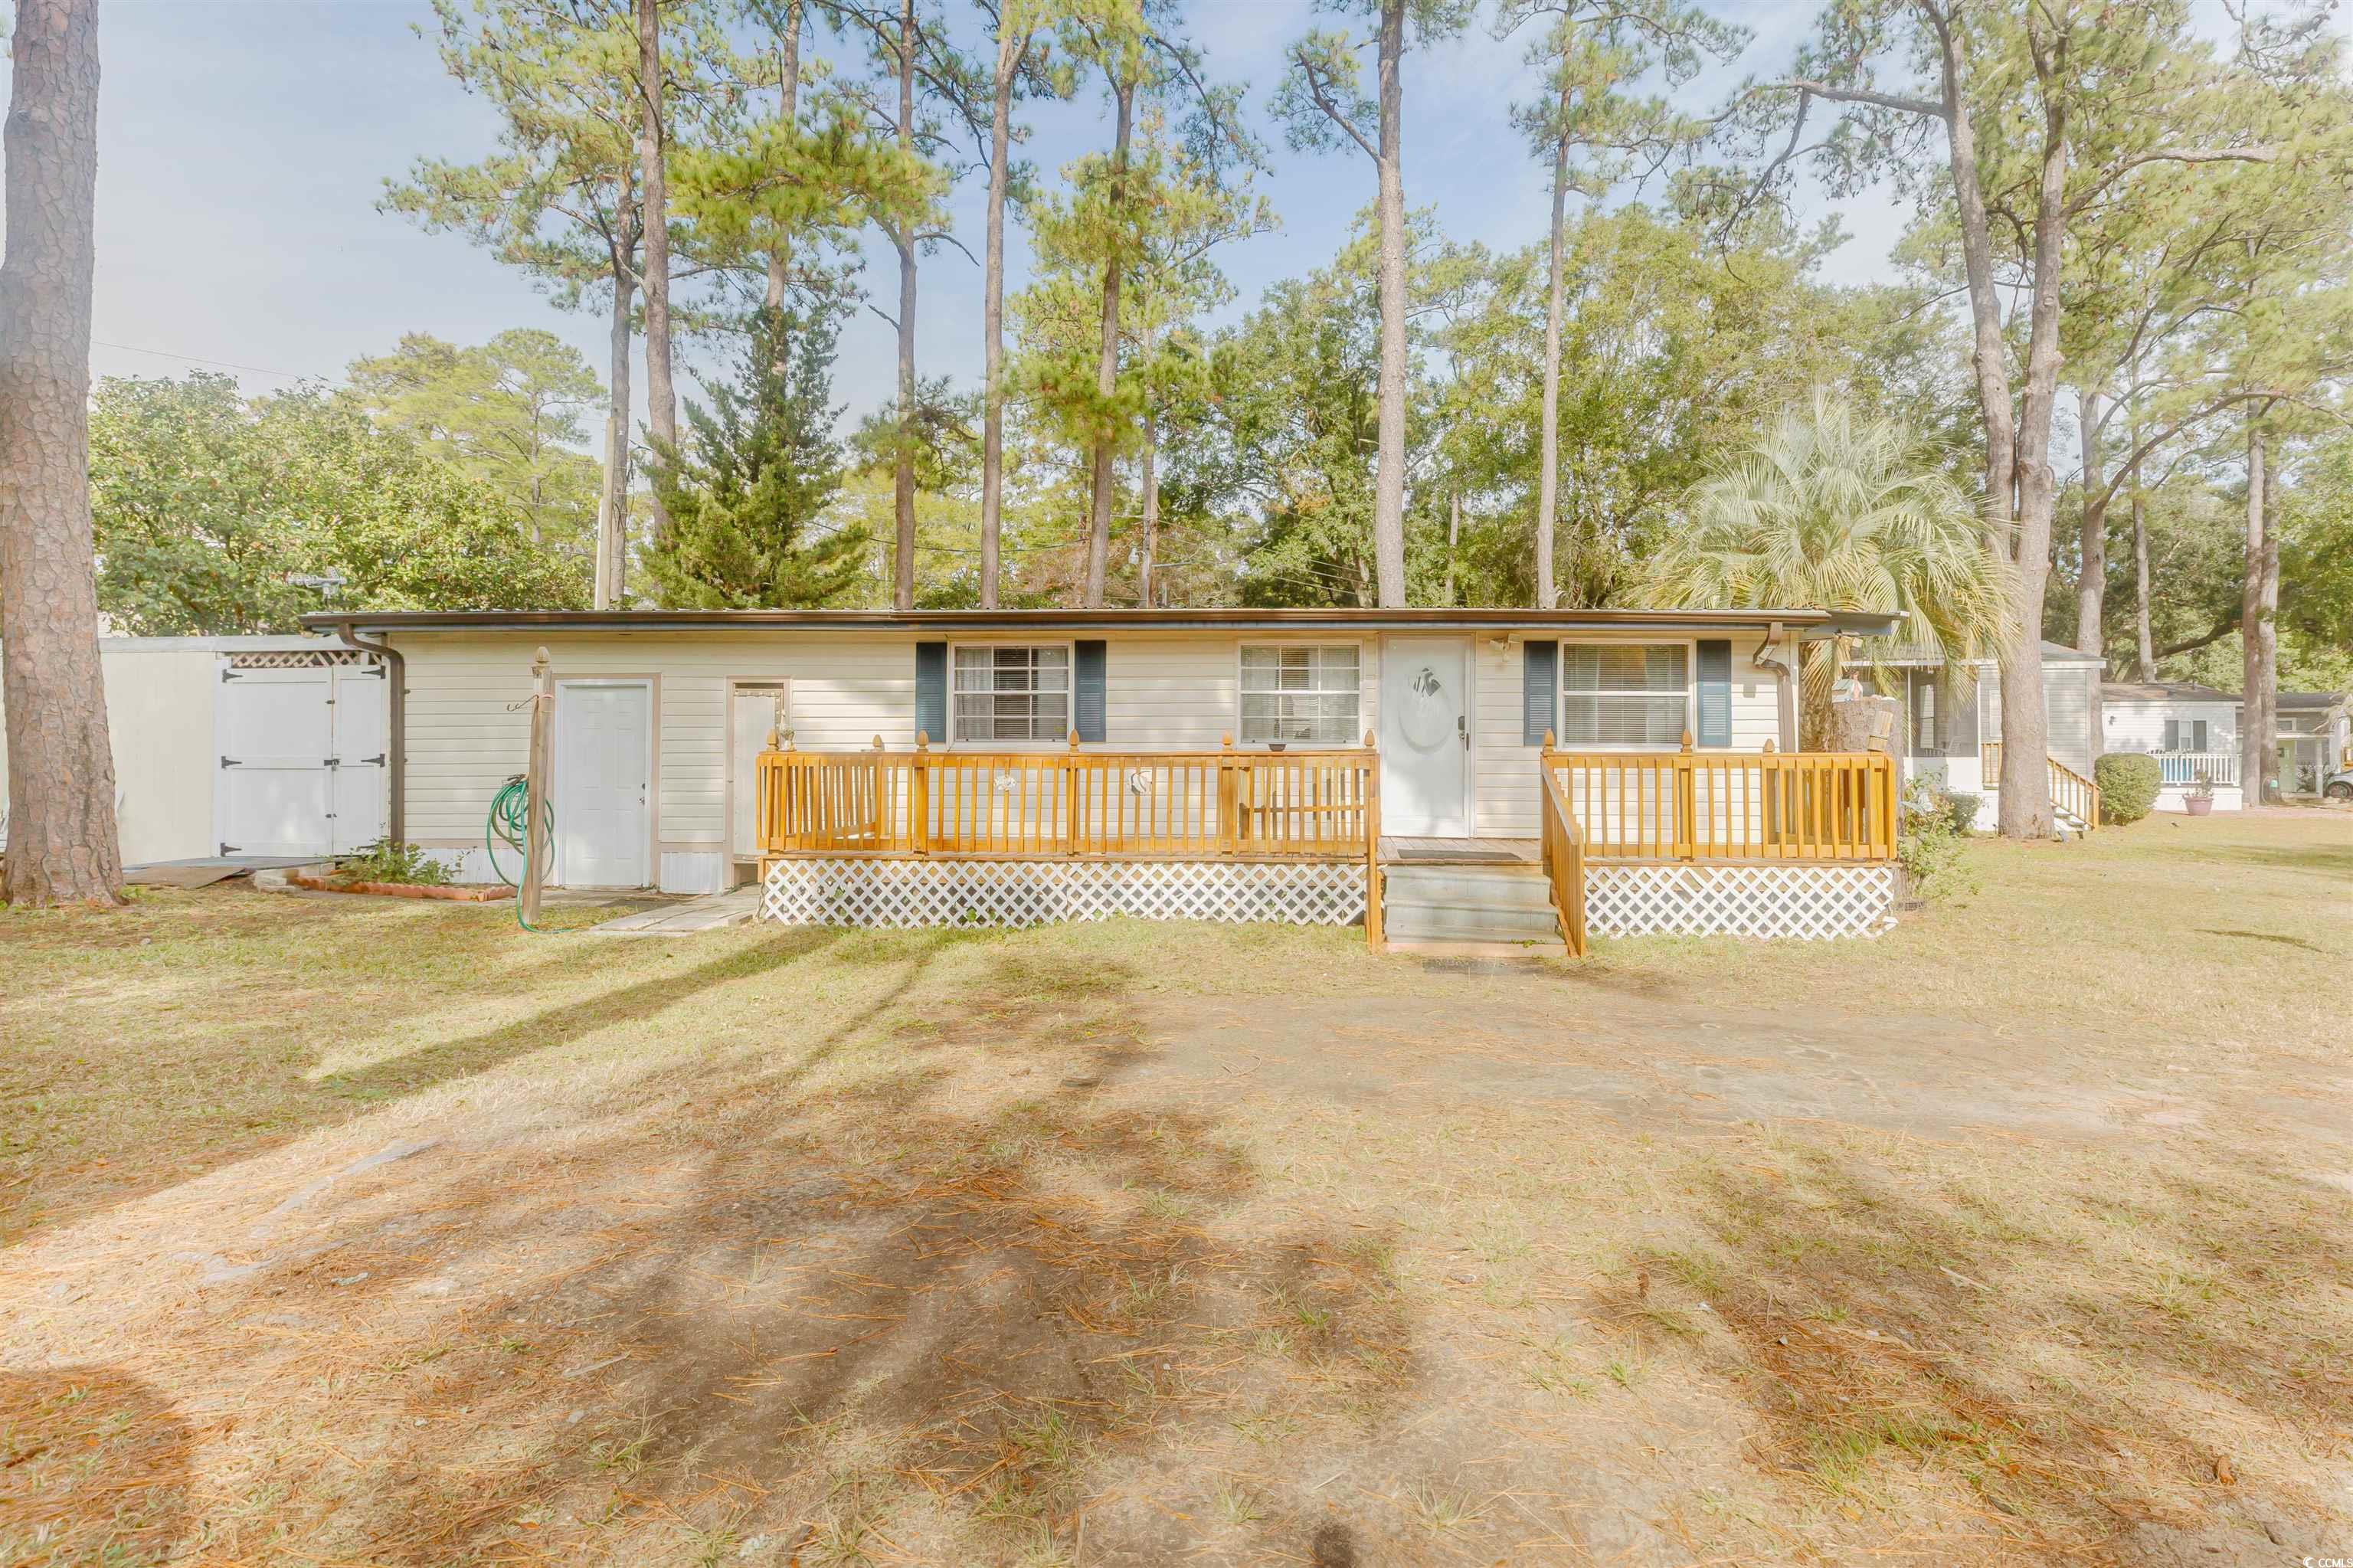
(2198, 805)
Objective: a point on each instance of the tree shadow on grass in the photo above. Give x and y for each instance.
(2040, 1401)
(94, 1467)
(926, 1283)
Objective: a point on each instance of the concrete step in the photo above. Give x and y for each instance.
(1472, 886)
(1476, 951)
(1437, 922)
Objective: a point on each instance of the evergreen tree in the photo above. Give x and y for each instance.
(744, 493)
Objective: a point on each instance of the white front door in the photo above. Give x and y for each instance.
(604, 775)
(1425, 736)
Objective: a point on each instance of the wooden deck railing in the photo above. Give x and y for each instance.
(1724, 805)
(1155, 805)
(2070, 790)
(1562, 847)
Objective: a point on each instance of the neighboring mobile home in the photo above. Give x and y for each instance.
(2191, 730)
(662, 717)
(1951, 733)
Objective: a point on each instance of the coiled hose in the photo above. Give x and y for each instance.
(508, 823)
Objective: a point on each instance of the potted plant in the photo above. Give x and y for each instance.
(2199, 800)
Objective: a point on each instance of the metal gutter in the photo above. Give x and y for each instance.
(395, 720)
(1808, 622)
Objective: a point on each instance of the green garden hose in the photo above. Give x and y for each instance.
(507, 824)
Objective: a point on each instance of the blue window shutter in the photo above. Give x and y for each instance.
(1539, 692)
(1715, 727)
(931, 691)
(1087, 690)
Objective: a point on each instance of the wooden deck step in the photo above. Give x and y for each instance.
(1464, 902)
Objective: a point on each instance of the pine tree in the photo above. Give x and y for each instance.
(744, 493)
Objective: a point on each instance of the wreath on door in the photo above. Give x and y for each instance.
(1426, 719)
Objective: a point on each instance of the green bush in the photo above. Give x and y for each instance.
(2128, 783)
(1962, 806)
(385, 860)
(1930, 845)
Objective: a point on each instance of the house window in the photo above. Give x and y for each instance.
(1012, 693)
(1306, 694)
(1624, 693)
(1927, 717)
(2185, 734)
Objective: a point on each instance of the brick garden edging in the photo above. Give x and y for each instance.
(401, 889)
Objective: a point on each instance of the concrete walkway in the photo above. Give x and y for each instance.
(708, 913)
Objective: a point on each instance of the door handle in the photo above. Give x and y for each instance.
(1462, 730)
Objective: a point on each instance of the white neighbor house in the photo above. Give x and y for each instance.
(2191, 730)
(1951, 733)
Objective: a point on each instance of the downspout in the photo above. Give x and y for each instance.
(1784, 704)
(396, 719)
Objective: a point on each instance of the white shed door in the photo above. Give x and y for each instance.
(357, 791)
(276, 733)
(602, 773)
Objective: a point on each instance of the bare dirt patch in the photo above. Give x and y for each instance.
(1131, 1244)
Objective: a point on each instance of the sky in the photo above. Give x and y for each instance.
(244, 145)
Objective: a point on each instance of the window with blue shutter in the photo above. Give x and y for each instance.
(931, 691)
(1715, 727)
(1539, 691)
(1087, 662)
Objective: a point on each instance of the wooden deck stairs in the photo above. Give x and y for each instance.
(1477, 897)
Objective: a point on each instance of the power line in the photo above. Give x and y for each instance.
(216, 364)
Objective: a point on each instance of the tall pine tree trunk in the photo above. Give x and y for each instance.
(1010, 49)
(2144, 640)
(2092, 582)
(662, 397)
(788, 95)
(2257, 742)
(613, 502)
(1389, 477)
(1548, 474)
(1151, 546)
(902, 236)
(61, 828)
(1107, 350)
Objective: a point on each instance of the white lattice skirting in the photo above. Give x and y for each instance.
(912, 893)
(1807, 901)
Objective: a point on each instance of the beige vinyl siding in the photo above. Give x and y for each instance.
(1184, 694)
(467, 736)
(1506, 801)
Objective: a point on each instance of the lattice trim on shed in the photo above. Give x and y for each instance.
(906, 894)
(1810, 903)
(296, 659)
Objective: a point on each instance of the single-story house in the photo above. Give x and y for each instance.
(2191, 730)
(822, 748)
(1951, 732)
(2316, 744)
(241, 747)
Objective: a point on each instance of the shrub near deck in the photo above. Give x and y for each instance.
(384, 1233)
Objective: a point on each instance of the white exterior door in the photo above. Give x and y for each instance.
(301, 763)
(604, 775)
(1425, 736)
(355, 791)
(275, 736)
(758, 709)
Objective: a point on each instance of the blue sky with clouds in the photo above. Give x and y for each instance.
(244, 145)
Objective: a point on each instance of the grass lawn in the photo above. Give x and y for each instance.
(375, 1232)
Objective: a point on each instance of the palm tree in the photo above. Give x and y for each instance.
(1832, 510)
